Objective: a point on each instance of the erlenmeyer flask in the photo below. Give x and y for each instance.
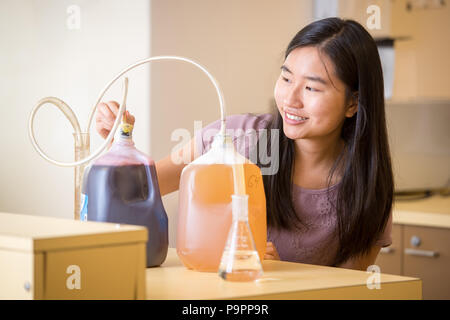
(240, 260)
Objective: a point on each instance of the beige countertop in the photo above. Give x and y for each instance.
(429, 212)
(281, 280)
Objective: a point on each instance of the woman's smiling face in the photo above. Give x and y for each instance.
(310, 104)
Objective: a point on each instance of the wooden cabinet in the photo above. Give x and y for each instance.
(422, 252)
(50, 258)
(426, 255)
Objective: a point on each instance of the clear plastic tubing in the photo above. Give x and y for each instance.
(70, 115)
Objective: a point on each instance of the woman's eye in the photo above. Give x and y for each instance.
(285, 79)
(311, 89)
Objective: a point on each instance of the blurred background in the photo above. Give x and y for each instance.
(71, 50)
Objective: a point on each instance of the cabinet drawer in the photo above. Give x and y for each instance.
(426, 255)
(390, 258)
(110, 272)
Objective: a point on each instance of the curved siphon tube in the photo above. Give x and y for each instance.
(68, 112)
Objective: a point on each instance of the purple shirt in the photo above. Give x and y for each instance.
(315, 244)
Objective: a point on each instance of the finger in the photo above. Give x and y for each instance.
(102, 131)
(99, 126)
(106, 117)
(101, 110)
(271, 250)
(129, 118)
(114, 107)
(105, 113)
(103, 122)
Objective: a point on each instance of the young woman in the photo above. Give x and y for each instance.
(330, 200)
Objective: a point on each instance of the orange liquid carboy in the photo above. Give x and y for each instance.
(205, 206)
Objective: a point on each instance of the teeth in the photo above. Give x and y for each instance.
(292, 117)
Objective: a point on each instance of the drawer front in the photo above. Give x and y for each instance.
(390, 258)
(426, 255)
(112, 272)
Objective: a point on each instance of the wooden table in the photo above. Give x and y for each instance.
(281, 280)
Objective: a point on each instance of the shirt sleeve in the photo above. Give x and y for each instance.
(385, 240)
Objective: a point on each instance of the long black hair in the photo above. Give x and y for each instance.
(365, 193)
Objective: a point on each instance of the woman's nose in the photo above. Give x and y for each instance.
(293, 98)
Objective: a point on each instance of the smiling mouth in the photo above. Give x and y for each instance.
(294, 117)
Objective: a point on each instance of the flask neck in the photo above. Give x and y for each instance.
(239, 206)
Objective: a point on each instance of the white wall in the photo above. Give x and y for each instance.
(41, 56)
(241, 43)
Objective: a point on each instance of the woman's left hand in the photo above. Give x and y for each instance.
(271, 252)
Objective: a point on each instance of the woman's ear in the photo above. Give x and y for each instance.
(352, 106)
